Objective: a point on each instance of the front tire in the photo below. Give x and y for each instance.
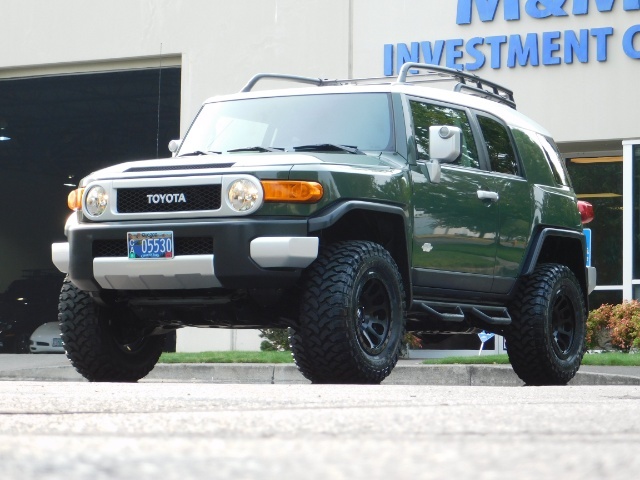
(546, 340)
(99, 344)
(352, 315)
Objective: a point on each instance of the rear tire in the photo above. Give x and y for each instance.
(546, 340)
(99, 348)
(352, 315)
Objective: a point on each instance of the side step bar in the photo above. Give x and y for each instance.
(445, 312)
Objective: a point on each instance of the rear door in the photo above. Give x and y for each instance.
(514, 203)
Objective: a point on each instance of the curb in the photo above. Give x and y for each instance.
(445, 375)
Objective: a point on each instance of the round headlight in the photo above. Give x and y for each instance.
(96, 201)
(243, 195)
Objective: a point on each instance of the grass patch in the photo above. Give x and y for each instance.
(470, 360)
(602, 359)
(598, 359)
(613, 359)
(227, 357)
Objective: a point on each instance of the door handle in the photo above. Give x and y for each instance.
(486, 195)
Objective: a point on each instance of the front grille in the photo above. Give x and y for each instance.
(183, 246)
(168, 199)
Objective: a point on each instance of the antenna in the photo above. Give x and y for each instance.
(159, 92)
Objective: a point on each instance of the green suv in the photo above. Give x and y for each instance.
(350, 212)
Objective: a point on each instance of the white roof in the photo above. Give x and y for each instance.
(509, 115)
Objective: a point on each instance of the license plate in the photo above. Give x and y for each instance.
(150, 244)
(57, 342)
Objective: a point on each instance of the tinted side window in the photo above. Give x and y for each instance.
(501, 153)
(426, 115)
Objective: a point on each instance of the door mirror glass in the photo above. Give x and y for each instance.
(444, 143)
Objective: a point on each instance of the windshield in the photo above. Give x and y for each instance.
(361, 121)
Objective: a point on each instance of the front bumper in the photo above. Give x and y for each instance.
(245, 253)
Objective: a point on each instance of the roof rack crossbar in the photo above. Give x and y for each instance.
(277, 76)
(496, 92)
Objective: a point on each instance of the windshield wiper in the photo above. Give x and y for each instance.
(198, 152)
(255, 149)
(327, 147)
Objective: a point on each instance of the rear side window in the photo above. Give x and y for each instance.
(533, 157)
(501, 153)
(558, 167)
(426, 115)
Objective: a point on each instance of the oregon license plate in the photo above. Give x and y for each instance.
(150, 244)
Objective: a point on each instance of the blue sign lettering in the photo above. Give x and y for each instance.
(388, 60)
(478, 56)
(581, 7)
(602, 35)
(487, 9)
(454, 53)
(432, 56)
(545, 8)
(529, 49)
(523, 54)
(496, 42)
(627, 42)
(574, 47)
(549, 47)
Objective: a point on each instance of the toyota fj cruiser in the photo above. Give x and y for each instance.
(349, 211)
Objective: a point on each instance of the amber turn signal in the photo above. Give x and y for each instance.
(74, 200)
(291, 191)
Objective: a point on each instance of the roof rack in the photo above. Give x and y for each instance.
(478, 86)
(467, 82)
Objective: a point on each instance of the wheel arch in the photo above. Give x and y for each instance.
(380, 223)
(565, 247)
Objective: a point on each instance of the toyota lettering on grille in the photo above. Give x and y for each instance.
(167, 198)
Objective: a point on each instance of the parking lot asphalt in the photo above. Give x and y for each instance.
(56, 367)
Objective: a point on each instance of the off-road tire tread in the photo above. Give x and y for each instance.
(321, 345)
(528, 346)
(89, 346)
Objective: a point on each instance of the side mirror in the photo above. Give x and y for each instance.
(174, 145)
(444, 143)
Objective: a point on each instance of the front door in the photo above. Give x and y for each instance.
(455, 220)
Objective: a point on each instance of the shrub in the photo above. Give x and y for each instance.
(276, 339)
(598, 324)
(621, 322)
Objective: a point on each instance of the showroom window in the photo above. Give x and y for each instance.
(53, 131)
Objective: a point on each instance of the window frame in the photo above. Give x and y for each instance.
(520, 170)
(474, 129)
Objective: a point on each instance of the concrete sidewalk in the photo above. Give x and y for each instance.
(55, 367)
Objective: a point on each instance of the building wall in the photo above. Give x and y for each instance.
(216, 340)
(221, 44)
